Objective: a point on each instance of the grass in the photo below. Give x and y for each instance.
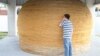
(3, 34)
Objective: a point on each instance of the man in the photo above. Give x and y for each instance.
(67, 34)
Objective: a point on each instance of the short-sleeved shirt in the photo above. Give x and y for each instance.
(67, 28)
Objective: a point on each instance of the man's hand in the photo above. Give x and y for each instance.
(60, 24)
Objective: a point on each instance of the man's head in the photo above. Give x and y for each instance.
(67, 16)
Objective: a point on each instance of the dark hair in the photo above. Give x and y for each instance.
(67, 16)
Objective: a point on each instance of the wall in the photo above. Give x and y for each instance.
(3, 23)
(97, 26)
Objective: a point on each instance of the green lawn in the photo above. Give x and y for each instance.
(3, 34)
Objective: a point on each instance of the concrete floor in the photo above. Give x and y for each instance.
(95, 47)
(9, 46)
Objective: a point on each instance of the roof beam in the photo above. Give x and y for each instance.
(97, 2)
(4, 1)
(18, 2)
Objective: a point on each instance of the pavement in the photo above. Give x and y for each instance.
(9, 46)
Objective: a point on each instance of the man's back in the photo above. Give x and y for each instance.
(67, 28)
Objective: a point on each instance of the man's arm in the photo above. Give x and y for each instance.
(61, 23)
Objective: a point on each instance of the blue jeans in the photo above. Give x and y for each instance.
(67, 47)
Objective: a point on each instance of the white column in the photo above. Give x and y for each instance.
(11, 17)
(90, 4)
